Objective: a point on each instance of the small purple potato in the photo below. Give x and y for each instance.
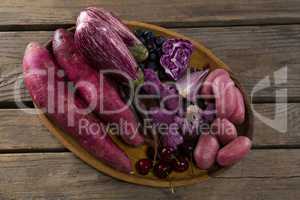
(224, 130)
(206, 151)
(238, 116)
(207, 86)
(234, 151)
(225, 94)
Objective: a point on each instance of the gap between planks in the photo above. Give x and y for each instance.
(53, 27)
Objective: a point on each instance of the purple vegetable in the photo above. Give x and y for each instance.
(136, 47)
(190, 124)
(167, 92)
(172, 139)
(189, 85)
(100, 44)
(176, 57)
(45, 88)
(107, 96)
(152, 84)
(169, 95)
(160, 116)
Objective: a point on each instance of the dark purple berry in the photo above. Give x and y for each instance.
(149, 35)
(144, 166)
(180, 164)
(159, 52)
(162, 169)
(152, 65)
(145, 33)
(159, 41)
(142, 40)
(139, 33)
(150, 46)
(153, 56)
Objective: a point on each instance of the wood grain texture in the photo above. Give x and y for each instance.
(172, 13)
(252, 52)
(31, 135)
(12, 46)
(273, 175)
(34, 136)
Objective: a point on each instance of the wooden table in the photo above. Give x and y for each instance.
(255, 38)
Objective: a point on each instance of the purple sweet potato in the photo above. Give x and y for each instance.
(238, 116)
(51, 94)
(234, 151)
(95, 88)
(206, 151)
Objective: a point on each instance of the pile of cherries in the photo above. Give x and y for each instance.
(167, 161)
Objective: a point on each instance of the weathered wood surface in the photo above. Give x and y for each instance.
(252, 52)
(33, 136)
(20, 14)
(264, 174)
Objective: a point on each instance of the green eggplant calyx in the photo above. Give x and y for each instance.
(139, 52)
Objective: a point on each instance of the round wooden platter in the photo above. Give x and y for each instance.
(202, 57)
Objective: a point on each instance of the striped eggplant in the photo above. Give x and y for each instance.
(138, 50)
(105, 49)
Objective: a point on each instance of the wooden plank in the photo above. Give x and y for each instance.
(266, 135)
(264, 174)
(252, 52)
(21, 131)
(12, 46)
(16, 13)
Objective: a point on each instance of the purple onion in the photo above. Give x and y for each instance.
(188, 86)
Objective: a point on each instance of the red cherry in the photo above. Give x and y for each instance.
(166, 154)
(162, 169)
(144, 166)
(180, 164)
(187, 148)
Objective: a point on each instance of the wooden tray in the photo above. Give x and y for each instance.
(201, 57)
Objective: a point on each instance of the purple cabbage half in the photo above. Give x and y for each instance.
(138, 50)
(176, 57)
(101, 45)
